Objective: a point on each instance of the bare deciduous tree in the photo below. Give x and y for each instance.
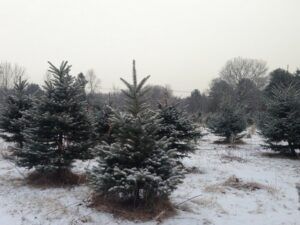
(47, 76)
(93, 84)
(240, 68)
(10, 73)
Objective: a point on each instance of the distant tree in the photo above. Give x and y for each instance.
(196, 103)
(9, 74)
(297, 73)
(228, 122)
(240, 68)
(34, 90)
(282, 77)
(102, 124)
(159, 94)
(139, 167)
(220, 92)
(280, 123)
(249, 97)
(59, 130)
(93, 82)
(12, 122)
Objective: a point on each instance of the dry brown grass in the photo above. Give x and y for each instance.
(161, 210)
(231, 158)
(215, 188)
(194, 170)
(62, 179)
(239, 184)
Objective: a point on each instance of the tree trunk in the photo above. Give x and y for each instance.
(292, 149)
(293, 152)
(136, 197)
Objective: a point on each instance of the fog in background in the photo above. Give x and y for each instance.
(182, 43)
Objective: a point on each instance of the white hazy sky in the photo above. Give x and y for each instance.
(183, 43)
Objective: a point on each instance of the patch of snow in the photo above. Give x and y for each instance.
(21, 204)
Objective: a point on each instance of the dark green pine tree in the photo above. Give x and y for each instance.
(101, 123)
(280, 124)
(228, 122)
(60, 129)
(182, 132)
(139, 166)
(12, 122)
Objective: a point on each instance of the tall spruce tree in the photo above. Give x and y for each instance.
(12, 122)
(280, 123)
(181, 131)
(139, 166)
(60, 129)
(228, 122)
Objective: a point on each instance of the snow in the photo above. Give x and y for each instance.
(21, 204)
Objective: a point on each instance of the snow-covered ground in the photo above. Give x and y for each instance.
(275, 204)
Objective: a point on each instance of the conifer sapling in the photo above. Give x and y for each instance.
(12, 122)
(228, 122)
(138, 166)
(60, 129)
(280, 123)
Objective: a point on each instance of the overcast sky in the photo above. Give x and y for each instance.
(183, 43)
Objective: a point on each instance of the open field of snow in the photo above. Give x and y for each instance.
(275, 203)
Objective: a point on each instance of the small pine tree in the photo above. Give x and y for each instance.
(101, 123)
(139, 166)
(60, 130)
(176, 125)
(12, 121)
(228, 122)
(281, 121)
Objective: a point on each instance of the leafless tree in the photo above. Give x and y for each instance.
(93, 84)
(240, 68)
(47, 76)
(9, 73)
(157, 94)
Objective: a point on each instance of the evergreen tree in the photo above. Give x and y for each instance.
(60, 129)
(281, 121)
(12, 121)
(228, 122)
(181, 131)
(278, 76)
(102, 124)
(219, 93)
(34, 90)
(139, 166)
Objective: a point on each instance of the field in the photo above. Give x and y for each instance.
(225, 185)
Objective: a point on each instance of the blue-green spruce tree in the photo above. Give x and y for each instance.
(12, 120)
(60, 130)
(280, 123)
(139, 166)
(228, 122)
(176, 125)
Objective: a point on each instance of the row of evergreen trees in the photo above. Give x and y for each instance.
(137, 149)
(278, 122)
